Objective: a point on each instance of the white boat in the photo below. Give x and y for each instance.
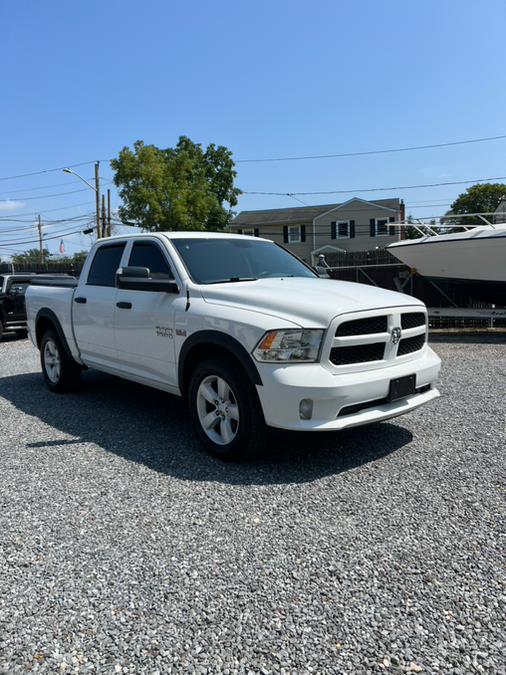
(472, 261)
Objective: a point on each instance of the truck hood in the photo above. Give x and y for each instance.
(307, 302)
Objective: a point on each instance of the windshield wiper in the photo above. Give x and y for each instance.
(231, 280)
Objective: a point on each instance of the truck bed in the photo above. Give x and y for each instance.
(53, 297)
(56, 281)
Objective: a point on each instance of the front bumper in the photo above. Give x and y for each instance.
(284, 386)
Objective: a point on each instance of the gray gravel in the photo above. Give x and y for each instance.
(125, 549)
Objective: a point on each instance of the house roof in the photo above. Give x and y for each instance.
(299, 214)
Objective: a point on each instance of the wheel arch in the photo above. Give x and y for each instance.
(47, 320)
(204, 343)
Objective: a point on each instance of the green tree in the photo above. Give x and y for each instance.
(480, 198)
(181, 188)
(31, 257)
(79, 257)
(76, 259)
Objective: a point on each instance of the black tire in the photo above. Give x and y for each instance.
(1, 328)
(66, 377)
(249, 430)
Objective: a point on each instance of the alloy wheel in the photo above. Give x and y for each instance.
(217, 410)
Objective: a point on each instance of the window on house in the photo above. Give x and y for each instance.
(249, 232)
(343, 228)
(294, 234)
(381, 226)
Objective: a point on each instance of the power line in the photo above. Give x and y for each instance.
(376, 189)
(82, 216)
(34, 213)
(297, 158)
(55, 194)
(299, 200)
(425, 206)
(37, 173)
(57, 223)
(373, 152)
(43, 187)
(34, 241)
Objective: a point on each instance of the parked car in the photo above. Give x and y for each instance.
(12, 302)
(244, 330)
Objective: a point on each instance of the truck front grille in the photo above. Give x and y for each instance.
(358, 339)
(412, 319)
(371, 324)
(410, 345)
(341, 356)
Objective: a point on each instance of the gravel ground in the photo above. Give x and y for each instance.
(125, 549)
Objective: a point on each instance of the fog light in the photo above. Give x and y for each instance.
(306, 409)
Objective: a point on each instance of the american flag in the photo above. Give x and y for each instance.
(62, 247)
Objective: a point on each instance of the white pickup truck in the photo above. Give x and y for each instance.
(241, 328)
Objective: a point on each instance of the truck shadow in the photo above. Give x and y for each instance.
(13, 337)
(153, 428)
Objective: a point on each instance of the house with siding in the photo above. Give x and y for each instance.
(308, 231)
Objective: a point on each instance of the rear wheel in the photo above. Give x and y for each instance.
(225, 410)
(60, 371)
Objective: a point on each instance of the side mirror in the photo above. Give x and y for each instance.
(140, 279)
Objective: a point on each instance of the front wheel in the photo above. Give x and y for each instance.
(60, 371)
(225, 410)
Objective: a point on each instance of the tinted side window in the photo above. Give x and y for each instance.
(105, 264)
(149, 255)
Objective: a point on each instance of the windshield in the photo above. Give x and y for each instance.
(213, 261)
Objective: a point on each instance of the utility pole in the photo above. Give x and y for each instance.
(108, 212)
(41, 246)
(97, 198)
(104, 219)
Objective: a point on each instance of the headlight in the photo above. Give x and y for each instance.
(301, 345)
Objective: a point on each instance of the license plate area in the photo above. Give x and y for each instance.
(402, 387)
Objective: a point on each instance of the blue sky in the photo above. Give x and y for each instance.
(266, 79)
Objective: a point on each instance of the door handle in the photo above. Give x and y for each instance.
(80, 300)
(124, 305)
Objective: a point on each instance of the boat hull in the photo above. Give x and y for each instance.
(471, 263)
(457, 256)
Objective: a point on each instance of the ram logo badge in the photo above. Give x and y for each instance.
(395, 335)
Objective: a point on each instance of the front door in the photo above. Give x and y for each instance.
(144, 321)
(15, 303)
(94, 305)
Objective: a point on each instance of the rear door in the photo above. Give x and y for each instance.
(144, 320)
(94, 304)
